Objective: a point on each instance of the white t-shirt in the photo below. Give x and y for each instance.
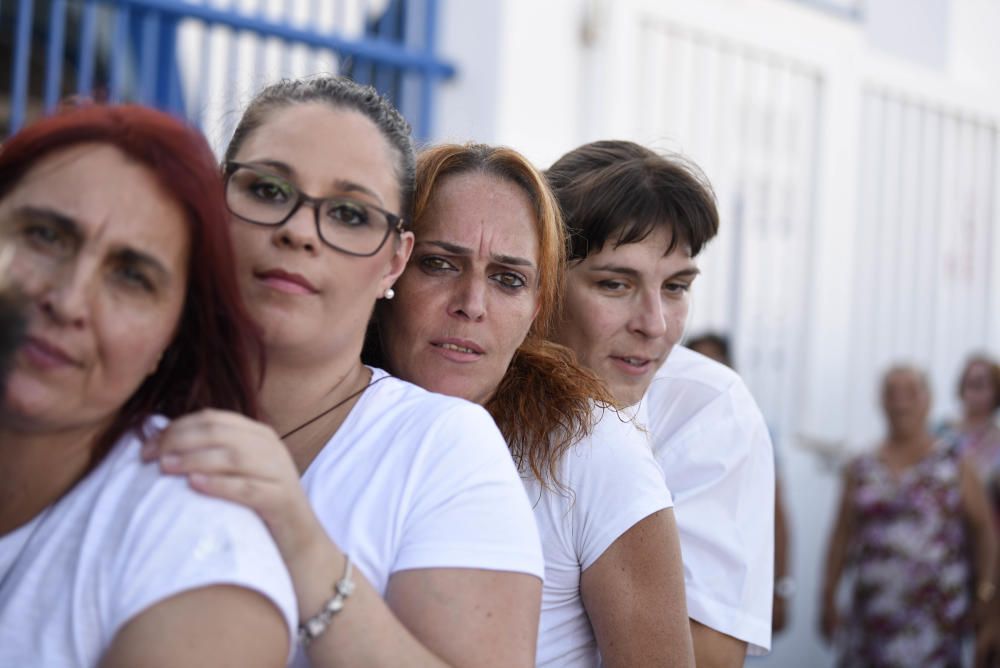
(413, 480)
(123, 539)
(611, 482)
(713, 445)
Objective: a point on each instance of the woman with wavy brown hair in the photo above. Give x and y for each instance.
(470, 319)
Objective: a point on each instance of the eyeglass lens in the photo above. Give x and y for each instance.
(344, 223)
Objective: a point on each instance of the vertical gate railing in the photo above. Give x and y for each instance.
(165, 53)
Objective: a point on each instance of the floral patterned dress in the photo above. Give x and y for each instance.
(910, 605)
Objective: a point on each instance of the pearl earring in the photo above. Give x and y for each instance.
(389, 293)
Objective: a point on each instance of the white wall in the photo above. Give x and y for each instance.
(856, 167)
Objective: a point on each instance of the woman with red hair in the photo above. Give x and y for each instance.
(118, 225)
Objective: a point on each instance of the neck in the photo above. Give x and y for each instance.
(291, 396)
(37, 468)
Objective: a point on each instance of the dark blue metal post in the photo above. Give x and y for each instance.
(427, 82)
(54, 57)
(86, 56)
(22, 58)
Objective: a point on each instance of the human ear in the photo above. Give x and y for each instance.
(397, 263)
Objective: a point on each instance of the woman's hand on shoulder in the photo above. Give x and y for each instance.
(230, 456)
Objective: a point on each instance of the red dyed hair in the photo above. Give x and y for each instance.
(208, 363)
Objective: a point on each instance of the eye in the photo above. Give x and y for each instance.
(348, 213)
(434, 264)
(510, 279)
(133, 276)
(676, 288)
(270, 190)
(47, 238)
(612, 285)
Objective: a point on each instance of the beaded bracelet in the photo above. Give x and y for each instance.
(313, 627)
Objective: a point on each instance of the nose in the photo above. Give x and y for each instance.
(300, 231)
(65, 299)
(648, 317)
(469, 299)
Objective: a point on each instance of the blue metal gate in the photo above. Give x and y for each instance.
(202, 59)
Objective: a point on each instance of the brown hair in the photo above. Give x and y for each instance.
(994, 369)
(622, 191)
(546, 399)
(340, 93)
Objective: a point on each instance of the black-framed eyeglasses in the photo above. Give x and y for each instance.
(259, 196)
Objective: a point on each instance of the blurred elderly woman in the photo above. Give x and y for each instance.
(118, 225)
(907, 515)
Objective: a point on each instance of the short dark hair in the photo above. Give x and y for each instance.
(622, 191)
(341, 93)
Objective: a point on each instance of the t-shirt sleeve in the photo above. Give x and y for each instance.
(615, 482)
(178, 540)
(466, 505)
(725, 515)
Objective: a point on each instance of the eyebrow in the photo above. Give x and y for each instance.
(66, 224)
(344, 185)
(69, 227)
(633, 273)
(463, 251)
(133, 256)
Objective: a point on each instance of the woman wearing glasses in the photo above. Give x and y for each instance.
(410, 539)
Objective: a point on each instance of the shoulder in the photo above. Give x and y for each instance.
(692, 371)
(407, 421)
(398, 401)
(167, 538)
(615, 458)
(690, 386)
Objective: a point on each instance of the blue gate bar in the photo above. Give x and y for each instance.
(424, 119)
(129, 49)
(86, 56)
(22, 58)
(382, 51)
(119, 53)
(54, 57)
(147, 61)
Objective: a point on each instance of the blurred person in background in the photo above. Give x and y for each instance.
(976, 434)
(134, 318)
(914, 528)
(716, 347)
(470, 319)
(636, 221)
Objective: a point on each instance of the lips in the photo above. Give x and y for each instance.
(285, 281)
(46, 354)
(633, 365)
(458, 350)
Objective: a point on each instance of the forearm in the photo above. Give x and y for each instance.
(985, 564)
(713, 649)
(365, 632)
